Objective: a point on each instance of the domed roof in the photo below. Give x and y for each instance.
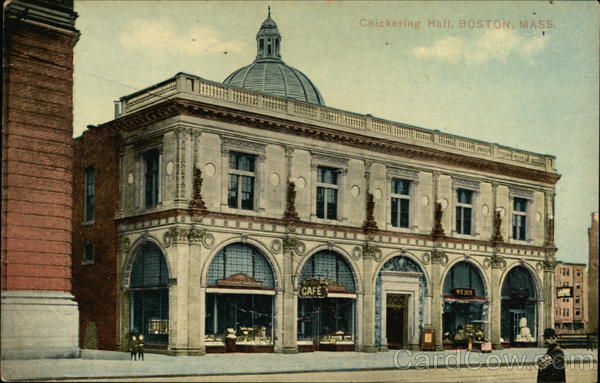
(269, 74)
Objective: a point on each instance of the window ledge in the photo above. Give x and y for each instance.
(87, 223)
(88, 263)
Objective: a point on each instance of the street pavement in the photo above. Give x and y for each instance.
(95, 365)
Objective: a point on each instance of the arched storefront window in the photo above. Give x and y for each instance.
(326, 304)
(150, 294)
(465, 306)
(519, 300)
(399, 316)
(239, 299)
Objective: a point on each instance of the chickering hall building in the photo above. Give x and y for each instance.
(248, 216)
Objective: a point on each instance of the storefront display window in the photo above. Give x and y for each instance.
(327, 321)
(250, 315)
(150, 295)
(240, 297)
(519, 300)
(465, 306)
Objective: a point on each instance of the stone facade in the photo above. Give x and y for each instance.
(196, 124)
(39, 316)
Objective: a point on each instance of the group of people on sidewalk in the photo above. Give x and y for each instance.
(136, 346)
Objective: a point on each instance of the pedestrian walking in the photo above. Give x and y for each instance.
(133, 346)
(551, 367)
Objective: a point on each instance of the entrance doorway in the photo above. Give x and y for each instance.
(396, 320)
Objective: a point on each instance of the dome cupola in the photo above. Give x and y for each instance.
(269, 74)
(268, 40)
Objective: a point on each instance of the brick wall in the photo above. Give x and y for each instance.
(36, 158)
(95, 283)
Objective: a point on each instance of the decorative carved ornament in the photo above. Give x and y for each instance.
(438, 257)
(372, 252)
(233, 143)
(403, 173)
(426, 259)
(291, 215)
(549, 264)
(329, 160)
(239, 280)
(370, 225)
(276, 246)
(181, 235)
(497, 237)
(522, 193)
(464, 183)
(438, 230)
(497, 261)
(125, 244)
(293, 244)
(197, 201)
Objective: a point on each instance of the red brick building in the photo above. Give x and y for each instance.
(94, 267)
(593, 274)
(39, 316)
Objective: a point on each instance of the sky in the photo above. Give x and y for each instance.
(521, 74)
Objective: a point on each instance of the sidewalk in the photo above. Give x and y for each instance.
(108, 364)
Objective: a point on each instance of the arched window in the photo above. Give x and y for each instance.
(332, 266)
(328, 324)
(464, 275)
(150, 294)
(519, 284)
(519, 307)
(149, 268)
(240, 299)
(240, 259)
(465, 308)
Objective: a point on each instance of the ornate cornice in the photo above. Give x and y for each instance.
(177, 106)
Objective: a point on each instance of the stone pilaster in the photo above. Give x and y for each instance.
(290, 299)
(438, 261)
(371, 256)
(498, 264)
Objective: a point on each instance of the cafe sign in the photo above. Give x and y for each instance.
(463, 292)
(313, 288)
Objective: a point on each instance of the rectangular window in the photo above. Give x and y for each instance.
(577, 312)
(151, 177)
(464, 210)
(577, 299)
(90, 185)
(327, 192)
(400, 203)
(519, 224)
(88, 253)
(241, 180)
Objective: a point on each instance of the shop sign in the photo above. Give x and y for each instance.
(313, 288)
(564, 292)
(240, 280)
(158, 326)
(463, 293)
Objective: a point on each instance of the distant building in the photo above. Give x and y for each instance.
(39, 315)
(570, 307)
(593, 275)
(250, 207)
